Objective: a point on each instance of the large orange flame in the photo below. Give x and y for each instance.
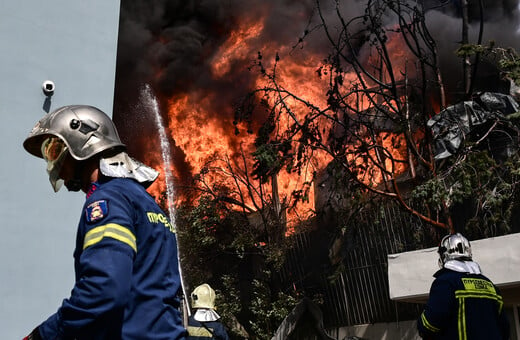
(206, 139)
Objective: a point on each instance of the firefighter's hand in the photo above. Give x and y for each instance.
(35, 335)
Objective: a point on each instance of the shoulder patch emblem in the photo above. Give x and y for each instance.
(96, 211)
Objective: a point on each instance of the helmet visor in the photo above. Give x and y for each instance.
(54, 151)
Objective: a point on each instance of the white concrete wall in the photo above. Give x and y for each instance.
(406, 330)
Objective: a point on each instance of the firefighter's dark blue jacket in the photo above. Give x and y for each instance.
(126, 265)
(463, 306)
(209, 330)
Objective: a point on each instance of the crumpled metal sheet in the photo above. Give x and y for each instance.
(451, 126)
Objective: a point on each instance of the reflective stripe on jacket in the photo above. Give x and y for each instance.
(463, 306)
(127, 276)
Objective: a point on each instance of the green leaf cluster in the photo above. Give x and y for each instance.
(268, 309)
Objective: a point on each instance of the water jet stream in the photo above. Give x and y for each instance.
(150, 101)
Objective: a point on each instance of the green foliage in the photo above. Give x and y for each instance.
(204, 219)
(432, 192)
(229, 300)
(268, 309)
(496, 201)
(511, 66)
(196, 227)
(460, 183)
(222, 248)
(229, 305)
(270, 156)
(469, 50)
(479, 183)
(267, 162)
(506, 59)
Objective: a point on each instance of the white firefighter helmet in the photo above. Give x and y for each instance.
(203, 296)
(454, 247)
(79, 130)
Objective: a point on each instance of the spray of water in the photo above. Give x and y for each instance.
(150, 101)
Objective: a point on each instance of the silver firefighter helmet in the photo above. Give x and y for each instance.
(85, 130)
(454, 247)
(79, 130)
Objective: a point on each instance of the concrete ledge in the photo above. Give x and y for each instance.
(410, 273)
(403, 330)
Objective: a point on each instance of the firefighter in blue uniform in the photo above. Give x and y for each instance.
(127, 276)
(204, 323)
(463, 304)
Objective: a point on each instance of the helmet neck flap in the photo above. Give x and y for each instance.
(122, 165)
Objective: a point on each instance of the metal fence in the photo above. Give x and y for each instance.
(355, 292)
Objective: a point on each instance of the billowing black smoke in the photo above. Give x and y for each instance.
(170, 44)
(501, 26)
(179, 39)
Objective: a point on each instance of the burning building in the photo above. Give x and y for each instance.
(202, 61)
